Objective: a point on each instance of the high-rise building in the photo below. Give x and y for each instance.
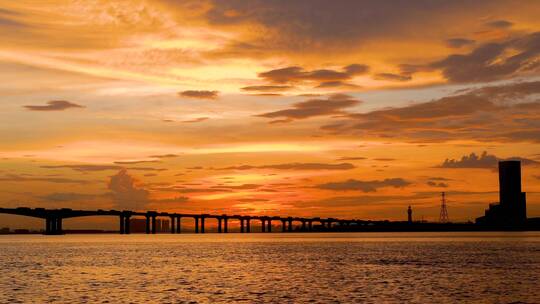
(512, 207)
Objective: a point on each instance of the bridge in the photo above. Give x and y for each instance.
(53, 220)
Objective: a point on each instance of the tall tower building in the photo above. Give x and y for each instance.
(512, 207)
(511, 198)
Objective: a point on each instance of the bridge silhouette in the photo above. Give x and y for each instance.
(53, 220)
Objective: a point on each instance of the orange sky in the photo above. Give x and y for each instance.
(314, 108)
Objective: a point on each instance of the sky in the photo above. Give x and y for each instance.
(347, 109)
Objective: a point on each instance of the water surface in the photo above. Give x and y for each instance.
(483, 267)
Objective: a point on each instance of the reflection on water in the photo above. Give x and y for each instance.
(266, 268)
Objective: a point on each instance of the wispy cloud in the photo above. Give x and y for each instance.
(54, 105)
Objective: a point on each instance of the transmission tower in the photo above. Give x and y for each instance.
(443, 217)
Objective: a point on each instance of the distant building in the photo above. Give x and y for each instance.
(512, 207)
(409, 215)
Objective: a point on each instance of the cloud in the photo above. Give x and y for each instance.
(195, 120)
(8, 19)
(54, 105)
(475, 114)
(392, 77)
(364, 186)
(337, 84)
(437, 185)
(318, 26)
(510, 91)
(72, 196)
(325, 77)
(334, 104)
(267, 88)
(484, 160)
(295, 166)
(500, 24)
(83, 168)
(57, 180)
(345, 158)
(459, 42)
(126, 193)
(133, 162)
(199, 94)
(492, 61)
(164, 156)
(146, 169)
(178, 199)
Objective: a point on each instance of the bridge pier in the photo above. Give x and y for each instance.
(269, 225)
(219, 224)
(310, 225)
(147, 224)
(173, 219)
(263, 225)
(225, 224)
(153, 224)
(248, 225)
(290, 224)
(53, 225)
(202, 224)
(178, 219)
(283, 225)
(241, 225)
(303, 225)
(196, 224)
(122, 223)
(127, 229)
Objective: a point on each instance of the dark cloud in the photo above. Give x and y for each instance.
(178, 199)
(334, 104)
(437, 178)
(195, 120)
(267, 88)
(164, 156)
(84, 168)
(392, 77)
(146, 169)
(133, 162)
(252, 200)
(337, 84)
(324, 77)
(384, 159)
(484, 160)
(492, 61)
(317, 25)
(477, 114)
(57, 180)
(365, 186)
(500, 24)
(72, 196)
(437, 185)
(54, 105)
(126, 193)
(238, 187)
(199, 94)
(459, 42)
(295, 166)
(511, 91)
(9, 20)
(345, 158)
